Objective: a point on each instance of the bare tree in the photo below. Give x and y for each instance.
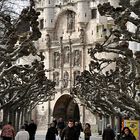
(22, 87)
(114, 91)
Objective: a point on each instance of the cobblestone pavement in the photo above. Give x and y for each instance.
(40, 135)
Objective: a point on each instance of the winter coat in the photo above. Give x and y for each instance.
(22, 135)
(8, 131)
(32, 128)
(87, 132)
(69, 133)
(52, 131)
(128, 137)
(108, 134)
(61, 125)
(78, 129)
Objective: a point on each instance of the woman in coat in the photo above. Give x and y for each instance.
(52, 132)
(87, 131)
(127, 134)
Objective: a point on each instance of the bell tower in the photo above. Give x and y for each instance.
(83, 11)
(49, 14)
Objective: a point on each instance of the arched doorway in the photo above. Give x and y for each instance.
(66, 108)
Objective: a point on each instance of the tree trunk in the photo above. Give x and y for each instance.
(12, 117)
(5, 115)
(18, 120)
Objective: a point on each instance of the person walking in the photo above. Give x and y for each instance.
(60, 125)
(127, 134)
(32, 130)
(26, 125)
(8, 132)
(55, 122)
(108, 133)
(22, 134)
(69, 132)
(78, 128)
(52, 132)
(87, 131)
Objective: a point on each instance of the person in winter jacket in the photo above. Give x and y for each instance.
(8, 132)
(78, 128)
(69, 132)
(22, 134)
(52, 132)
(32, 127)
(127, 134)
(108, 133)
(87, 131)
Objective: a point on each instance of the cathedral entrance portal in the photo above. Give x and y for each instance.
(66, 108)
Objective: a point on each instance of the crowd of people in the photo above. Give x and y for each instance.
(59, 130)
(109, 134)
(26, 132)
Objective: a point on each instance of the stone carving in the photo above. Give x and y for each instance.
(56, 59)
(77, 58)
(75, 74)
(56, 78)
(48, 40)
(70, 20)
(66, 55)
(65, 79)
(82, 36)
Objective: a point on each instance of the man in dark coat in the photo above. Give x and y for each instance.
(60, 125)
(32, 130)
(108, 133)
(78, 128)
(69, 132)
(52, 132)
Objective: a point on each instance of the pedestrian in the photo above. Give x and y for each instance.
(87, 131)
(78, 128)
(55, 122)
(60, 125)
(69, 132)
(32, 130)
(127, 134)
(52, 132)
(22, 134)
(8, 132)
(26, 125)
(108, 133)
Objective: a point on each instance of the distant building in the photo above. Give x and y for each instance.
(69, 28)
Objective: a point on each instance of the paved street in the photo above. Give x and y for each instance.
(40, 135)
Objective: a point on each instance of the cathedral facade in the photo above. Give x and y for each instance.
(69, 28)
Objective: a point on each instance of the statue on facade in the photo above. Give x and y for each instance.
(70, 20)
(77, 58)
(66, 55)
(56, 78)
(56, 59)
(48, 40)
(66, 79)
(82, 35)
(75, 74)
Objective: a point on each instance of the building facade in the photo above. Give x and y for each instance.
(69, 28)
